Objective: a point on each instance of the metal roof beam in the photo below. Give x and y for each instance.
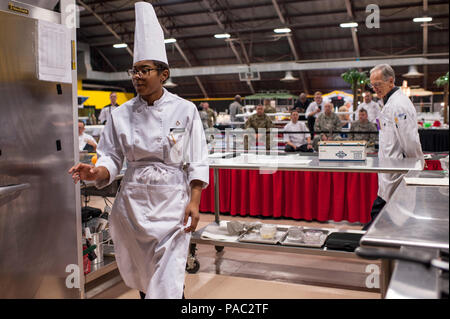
(349, 8)
(107, 26)
(425, 44)
(326, 64)
(212, 12)
(185, 58)
(257, 5)
(292, 46)
(294, 26)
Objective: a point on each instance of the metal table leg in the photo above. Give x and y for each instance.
(216, 196)
(385, 276)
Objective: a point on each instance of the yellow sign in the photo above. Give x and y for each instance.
(15, 8)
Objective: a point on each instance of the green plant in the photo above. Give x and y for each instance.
(357, 80)
(443, 81)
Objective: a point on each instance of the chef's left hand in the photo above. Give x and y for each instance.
(193, 211)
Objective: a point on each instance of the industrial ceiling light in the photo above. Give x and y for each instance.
(282, 30)
(423, 19)
(170, 40)
(120, 45)
(288, 77)
(222, 36)
(349, 25)
(412, 73)
(169, 84)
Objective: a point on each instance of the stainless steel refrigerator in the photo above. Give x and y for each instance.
(40, 219)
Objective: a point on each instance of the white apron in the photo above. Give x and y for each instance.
(146, 225)
(147, 217)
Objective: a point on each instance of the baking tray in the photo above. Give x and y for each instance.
(254, 237)
(297, 242)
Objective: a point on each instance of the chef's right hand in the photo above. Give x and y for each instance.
(87, 172)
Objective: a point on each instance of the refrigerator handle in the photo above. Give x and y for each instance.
(12, 189)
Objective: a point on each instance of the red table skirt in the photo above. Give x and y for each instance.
(319, 196)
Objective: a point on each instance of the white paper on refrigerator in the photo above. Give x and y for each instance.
(54, 53)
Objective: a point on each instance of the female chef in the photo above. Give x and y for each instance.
(161, 137)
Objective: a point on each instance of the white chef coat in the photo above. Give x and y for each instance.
(313, 106)
(146, 221)
(373, 110)
(106, 112)
(296, 139)
(398, 138)
(83, 139)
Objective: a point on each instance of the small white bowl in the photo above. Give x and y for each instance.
(268, 231)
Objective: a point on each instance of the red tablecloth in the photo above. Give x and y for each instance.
(320, 196)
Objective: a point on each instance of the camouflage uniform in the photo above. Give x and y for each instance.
(258, 121)
(357, 126)
(269, 109)
(326, 123)
(211, 117)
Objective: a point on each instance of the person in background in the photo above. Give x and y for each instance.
(203, 115)
(345, 119)
(268, 108)
(85, 141)
(259, 120)
(297, 142)
(236, 108)
(162, 139)
(212, 117)
(313, 110)
(373, 109)
(363, 125)
(329, 124)
(301, 105)
(398, 133)
(106, 111)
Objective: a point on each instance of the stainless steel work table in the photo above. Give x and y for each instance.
(296, 162)
(290, 162)
(416, 217)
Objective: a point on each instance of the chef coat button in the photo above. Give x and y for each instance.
(159, 139)
(136, 141)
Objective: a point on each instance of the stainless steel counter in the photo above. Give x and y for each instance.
(416, 216)
(412, 280)
(296, 162)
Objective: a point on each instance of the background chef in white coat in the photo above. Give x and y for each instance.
(398, 133)
(161, 137)
(373, 108)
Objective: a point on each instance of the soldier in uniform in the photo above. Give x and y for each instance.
(363, 125)
(327, 122)
(268, 108)
(212, 118)
(259, 120)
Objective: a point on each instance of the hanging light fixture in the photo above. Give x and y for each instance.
(412, 72)
(169, 84)
(288, 77)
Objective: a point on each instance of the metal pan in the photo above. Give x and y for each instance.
(300, 243)
(255, 237)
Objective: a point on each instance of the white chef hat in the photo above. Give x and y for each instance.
(148, 35)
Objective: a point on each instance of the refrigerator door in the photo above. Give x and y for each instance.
(40, 225)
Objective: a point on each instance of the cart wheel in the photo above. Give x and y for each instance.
(219, 248)
(192, 266)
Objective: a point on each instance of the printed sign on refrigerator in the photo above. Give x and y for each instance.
(54, 54)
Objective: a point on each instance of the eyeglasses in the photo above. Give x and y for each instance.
(141, 73)
(375, 85)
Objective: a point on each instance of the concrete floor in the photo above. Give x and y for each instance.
(253, 274)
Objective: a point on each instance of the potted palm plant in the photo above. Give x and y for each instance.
(443, 81)
(358, 81)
